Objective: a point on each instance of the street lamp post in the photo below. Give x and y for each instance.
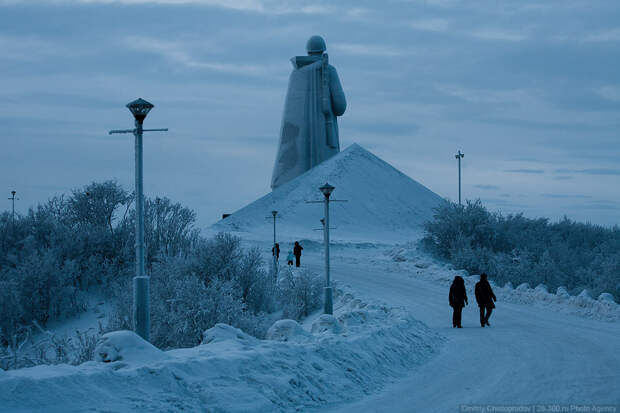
(459, 156)
(141, 312)
(13, 199)
(275, 252)
(327, 190)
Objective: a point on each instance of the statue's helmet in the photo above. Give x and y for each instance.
(315, 44)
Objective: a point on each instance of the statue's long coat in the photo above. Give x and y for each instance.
(304, 139)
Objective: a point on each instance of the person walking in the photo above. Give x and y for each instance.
(485, 299)
(458, 300)
(297, 252)
(275, 250)
(290, 258)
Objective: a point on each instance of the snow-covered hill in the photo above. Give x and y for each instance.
(383, 203)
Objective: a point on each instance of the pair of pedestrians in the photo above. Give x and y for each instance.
(484, 296)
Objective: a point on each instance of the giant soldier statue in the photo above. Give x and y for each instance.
(309, 132)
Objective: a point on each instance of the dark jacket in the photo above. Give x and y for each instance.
(297, 250)
(484, 294)
(458, 294)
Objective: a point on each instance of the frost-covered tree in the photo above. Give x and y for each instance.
(518, 249)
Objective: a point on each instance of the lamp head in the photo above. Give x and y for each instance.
(139, 108)
(327, 190)
(274, 213)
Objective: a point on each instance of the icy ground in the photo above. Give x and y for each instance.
(541, 348)
(374, 356)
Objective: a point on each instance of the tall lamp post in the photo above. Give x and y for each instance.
(459, 156)
(275, 252)
(13, 199)
(327, 190)
(141, 312)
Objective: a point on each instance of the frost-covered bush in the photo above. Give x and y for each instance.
(28, 350)
(218, 283)
(39, 289)
(516, 249)
(299, 292)
(70, 244)
(51, 257)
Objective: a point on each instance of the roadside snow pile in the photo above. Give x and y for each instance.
(409, 259)
(126, 346)
(353, 353)
(603, 308)
(396, 208)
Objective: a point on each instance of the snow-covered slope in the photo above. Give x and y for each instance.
(383, 203)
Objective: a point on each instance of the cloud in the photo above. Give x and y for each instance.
(610, 35)
(487, 187)
(439, 25)
(483, 96)
(431, 25)
(177, 53)
(609, 92)
(566, 196)
(563, 177)
(31, 48)
(497, 34)
(381, 127)
(600, 205)
(525, 171)
(590, 171)
(365, 49)
(257, 6)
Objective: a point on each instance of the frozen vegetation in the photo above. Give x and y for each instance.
(520, 250)
(64, 250)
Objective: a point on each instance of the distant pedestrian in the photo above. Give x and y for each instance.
(276, 251)
(458, 300)
(485, 299)
(297, 252)
(290, 257)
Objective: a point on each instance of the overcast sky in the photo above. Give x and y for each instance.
(528, 90)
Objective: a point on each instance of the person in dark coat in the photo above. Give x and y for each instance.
(276, 251)
(458, 300)
(297, 252)
(485, 299)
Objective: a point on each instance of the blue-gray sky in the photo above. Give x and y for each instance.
(528, 90)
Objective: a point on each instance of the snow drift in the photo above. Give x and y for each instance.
(388, 203)
(343, 357)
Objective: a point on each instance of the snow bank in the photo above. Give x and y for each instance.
(347, 355)
(126, 346)
(287, 330)
(408, 258)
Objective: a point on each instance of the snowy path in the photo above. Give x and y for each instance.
(528, 356)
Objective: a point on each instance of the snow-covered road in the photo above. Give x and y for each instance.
(530, 355)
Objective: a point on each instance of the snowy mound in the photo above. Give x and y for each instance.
(383, 203)
(233, 372)
(126, 346)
